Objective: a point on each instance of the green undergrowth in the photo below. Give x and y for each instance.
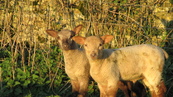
(38, 78)
(47, 77)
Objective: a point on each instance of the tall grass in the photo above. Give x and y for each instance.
(31, 64)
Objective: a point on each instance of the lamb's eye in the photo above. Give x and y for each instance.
(100, 44)
(58, 37)
(71, 36)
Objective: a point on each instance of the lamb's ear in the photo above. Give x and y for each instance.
(79, 39)
(52, 33)
(107, 38)
(77, 29)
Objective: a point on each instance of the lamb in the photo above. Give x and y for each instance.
(76, 63)
(140, 62)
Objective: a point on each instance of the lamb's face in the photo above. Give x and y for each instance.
(65, 41)
(93, 46)
(64, 37)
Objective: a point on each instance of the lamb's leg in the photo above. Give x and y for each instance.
(112, 91)
(75, 87)
(157, 88)
(162, 89)
(124, 87)
(102, 90)
(108, 91)
(83, 88)
(138, 89)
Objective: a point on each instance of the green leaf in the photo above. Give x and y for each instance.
(16, 83)
(19, 71)
(26, 83)
(10, 82)
(18, 91)
(35, 76)
(47, 82)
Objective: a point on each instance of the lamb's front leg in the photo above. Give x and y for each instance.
(124, 87)
(112, 91)
(108, 91)
(75, 87)
(102, 90)
(83, 86)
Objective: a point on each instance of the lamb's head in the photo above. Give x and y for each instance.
(93, 45)
(64, 37)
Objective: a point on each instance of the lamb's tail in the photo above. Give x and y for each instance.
(165, 54)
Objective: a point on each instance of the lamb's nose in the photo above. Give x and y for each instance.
(65, 46)
(93, 54)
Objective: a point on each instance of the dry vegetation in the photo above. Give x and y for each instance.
(29, 64)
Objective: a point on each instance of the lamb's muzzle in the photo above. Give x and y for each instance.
(93, 55)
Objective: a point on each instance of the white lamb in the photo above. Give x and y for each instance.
(132, 63)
